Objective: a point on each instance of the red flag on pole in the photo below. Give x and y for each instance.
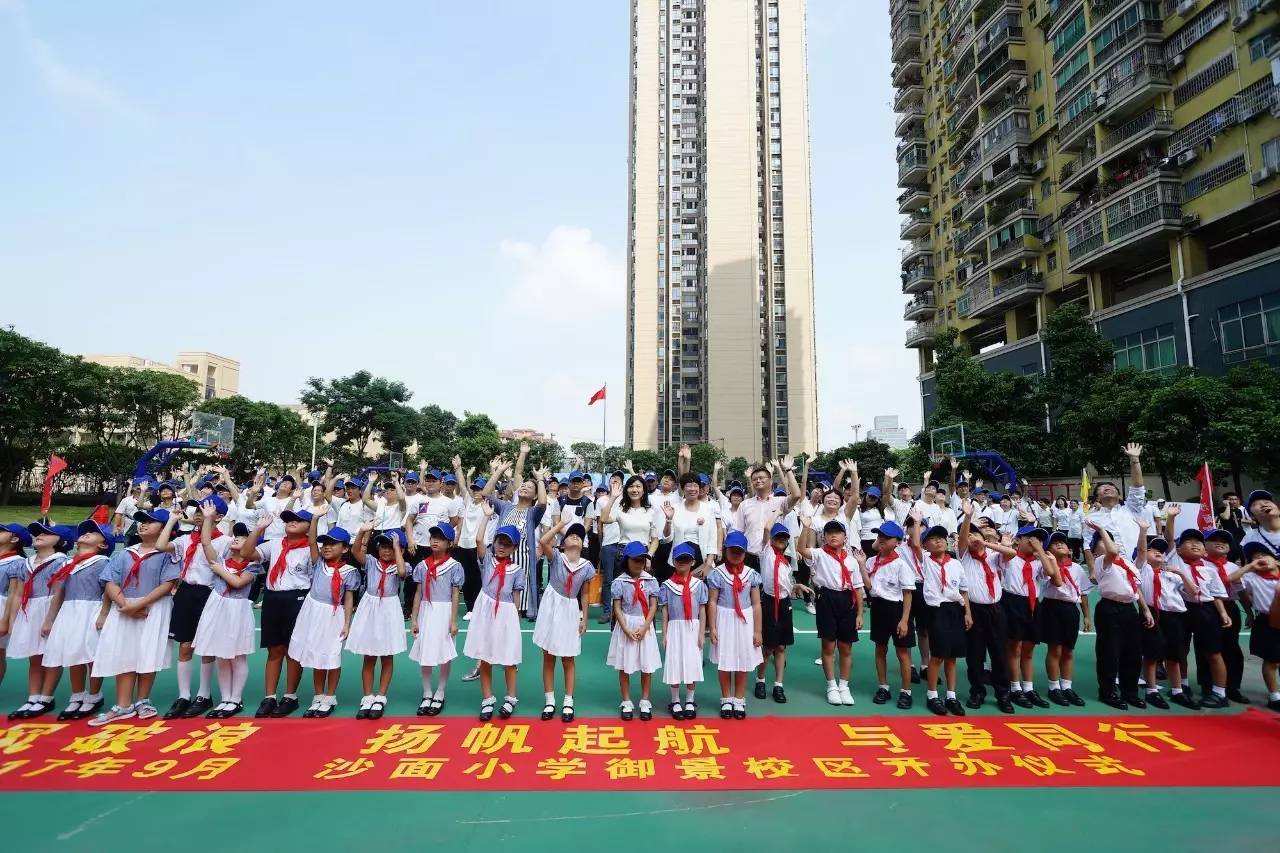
(56, 466)
(1204, 520)
(596, 397)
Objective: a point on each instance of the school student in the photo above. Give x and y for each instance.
(226, 629)
(1260, 576)
(1218, 545)
(734, 597)
(134, 643)
(325, 618)
(440, 577)
(72, 623)
(466, 551)
(431, 508)
(777, 630)
(1117, 621)
(1265, 513)
(628, 507)
(1024, 574)
(1206, 616)
(377, 629)
(1164, 640)
(982, 556)
(562, 618)
(288, 571)
(947, 601)
(494, 636)
(633, 647)
(837, 577)
(890, 584)
(28, 603)
(1063, 605)
(684, 619)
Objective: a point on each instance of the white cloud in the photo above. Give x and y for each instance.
(569, 280)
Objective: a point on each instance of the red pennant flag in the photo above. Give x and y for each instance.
(102, 514)
(56, 466)
(596, 397)
(1204, 520)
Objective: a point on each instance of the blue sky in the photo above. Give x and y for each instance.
(446, 179)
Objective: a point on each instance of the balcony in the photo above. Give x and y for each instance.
(1077, 131)
(964, 177)
(1056, 12)
(913, 165)
(1008, 177)
(1014, 252)
(1016, 101)
(1128, 227)
(1119, 99)
(1011, 138)
(970, 207)
(912, 199)
(910, 95)
(921, 307)
(1152, 125)
(1001, 212)
(907, 71)
(1141, 30)
(963, 112)
(918, 279)
(1008, 74)
(898, 8)
(910, 121)
(906, 38)
(985, 299)
(921, 334)
(916, 250)
(1001, 37)
(1074, 173)
(968, 240)
(914, 225)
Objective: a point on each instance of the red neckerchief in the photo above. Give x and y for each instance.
(382, 576)
(1194, 566)
(29, 585)
(335, 580)
(433, 568)
(1065, 568)
(568, 575)
(64, 571)
(942, 569)
(846, 577)
(686, 594)
(500, 568)
(735, 572)
(135, 569)
(986, 568)
(779, 560)
(1128, 573)
(279, 566)
(1221, 563)
(191, 550)
(639, 596)
(1028, 581)
(1156, 586)
(235, 565)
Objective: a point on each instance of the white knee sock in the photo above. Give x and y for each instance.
(239, 675)
(184, 679)
(444, 679)
(206, 675)
(426, 681)
(224, 679)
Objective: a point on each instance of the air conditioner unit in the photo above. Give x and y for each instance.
(1191, 220)
(1263, 175)
(1239, 22)
(1187, 157)
(1178, 60)
(1100, 101)
(1039, 166)
(1186, 7)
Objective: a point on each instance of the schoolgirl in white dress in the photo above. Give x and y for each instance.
(226, 631)
(72, 625)
(325, 618)
(493, 639)
(734, 597)
(435, 616)
(562, 615)
(134, 643)
(27, 605)
(377, 630)
(634, 646)
(14, 540)
(684, 620)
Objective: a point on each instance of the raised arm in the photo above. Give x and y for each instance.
(206, 533)
(962, 536)
(1047, 562)
(787, 474)
(329, 480)
(684, 458)
(311, 538)
(232, 489)
(615, 495)
(517, 476)
(367, 497)
(360, 541)
(165, 542)
(855, 489)
(886, 489)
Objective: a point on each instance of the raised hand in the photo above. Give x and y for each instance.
(892, 473)
(542, 473)
(1172, 510)
(1133, 450)
(669, 510)
(787, 463)
(615, 489)
(955, 463)
(524, 448)
(685, 452)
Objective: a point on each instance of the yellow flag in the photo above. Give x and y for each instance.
(1084, 489)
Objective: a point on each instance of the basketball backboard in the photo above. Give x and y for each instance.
(946, 441)
(216, 432)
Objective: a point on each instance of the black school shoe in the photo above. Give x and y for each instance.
(1057, 697)
(975, 700)
(935, 706)
(1134, 700)
(1273, 705)
(760, 691)
(1004, 703)
(286, 706)
(1035, 699)
(198, 707)
(1213, 700)
(1155, 700)
(1186, 700)
(740, 713)
(882, 696)
(726, 711)
(177, 709)
(915, 675)
(779, 695)
(1019, 698)
(904, 701)
(1112, 698)
(690, 710)
(1236, 696)
(266, 707)
(953, 706)
(1073, 697)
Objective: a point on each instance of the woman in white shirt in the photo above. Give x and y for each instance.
(693, 521)
(1075, 529)
(870, 516)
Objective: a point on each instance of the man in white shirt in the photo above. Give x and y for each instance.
(758, 512)
(1121, 519)
(432, 508)
(282, 498)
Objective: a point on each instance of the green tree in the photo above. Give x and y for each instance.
(548, 454)
(656, 461)
(437, 428)
(704, 456)
(1103, 421)
(267, 435)
(1079, 356)
(1245, 432)
(1171, 426)
(736, 469)
(355, 408)
(872, 457)
(477, 440)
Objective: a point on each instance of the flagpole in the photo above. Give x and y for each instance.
(604, 431)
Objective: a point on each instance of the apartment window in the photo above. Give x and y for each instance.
(1046, 188)
(1271, 153)
(1250, 329)
(1053, 261)
(1069, 36)
(1037, 81)
(1039, 116)
(1074, 64)
(1260, 46)
(1148, 350)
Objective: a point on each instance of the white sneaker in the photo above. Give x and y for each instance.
(846, 698)
(112, 715)
(810, 609)
(467, 617)
(817, 661)
(833, 696)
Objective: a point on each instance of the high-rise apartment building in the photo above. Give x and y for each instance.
(216, 375)
(1118, 153)
(720, 336)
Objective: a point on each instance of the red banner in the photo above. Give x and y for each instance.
(56, 466)
(1204, 518)
(602, 755)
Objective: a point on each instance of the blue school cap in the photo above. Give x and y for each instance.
(873, 492)
(337, 534)
(576, 475)
(433, 474)
(103, 530)
(890, 530)
(24, 538)
(450, 478)
(159, 516)
(736, 539)
(1057, 536)
(684, 549)
(358, 482)
(509, 531)
(444, 530)
(779, 529)
(288, 477)
(997, 496)
(219, 505)
(295, 515)
(1252, 549)
(779, 492)
(737, 488)
(1032, 530)
(602, 488)
(1157, 543)
(394, 533)
(1257, 495)
(835, 525)
(704, 480)
(1190, 533)
(575, 529)
(339, 484)
(650, 477)
(936, 530)
(634, 550)
(981, 490)
(66, 532)
(39, 528)
(1224, 535)
(411, 477)
(479, 483)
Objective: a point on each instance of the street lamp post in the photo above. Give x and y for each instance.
(856, 428)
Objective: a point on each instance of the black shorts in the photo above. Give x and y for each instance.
(279, 613)
(1173, 634)
(837, 620)
(1264, 642)
(919, 610)
(947, 638)
(779, 632)
(1059, 622)
(1022, 622)
(188, 604)
(1205, 628)
(1153, 642)
(885, 616)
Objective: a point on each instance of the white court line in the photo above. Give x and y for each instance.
(865, 631)
(72, 833)
(708, 807)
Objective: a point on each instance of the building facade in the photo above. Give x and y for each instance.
(1122, 154)
(215, 375)
(720, 335)
(887, 431)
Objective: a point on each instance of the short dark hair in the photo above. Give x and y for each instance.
(759, 469)
(1235, 495)
(689, 479)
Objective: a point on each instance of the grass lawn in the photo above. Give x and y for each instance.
(27, 513)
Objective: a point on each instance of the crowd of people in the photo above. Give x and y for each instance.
(692, 571)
